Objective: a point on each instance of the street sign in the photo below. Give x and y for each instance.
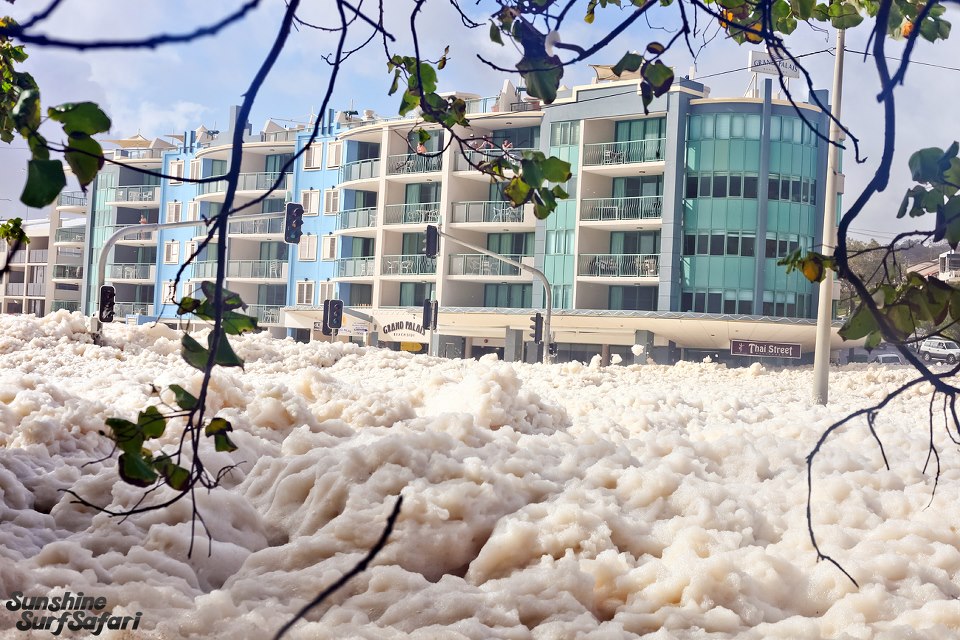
(762, 62)
(751, 348)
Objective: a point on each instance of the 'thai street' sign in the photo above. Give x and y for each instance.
(754, 349)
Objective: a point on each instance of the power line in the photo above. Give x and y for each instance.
(720, 73)
(912, 61)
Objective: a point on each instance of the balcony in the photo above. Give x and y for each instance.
(361, 267)
(486, 211)
(357, 218)
(409, 265)
(36, 289)
(204, 269)
(131, 271)
(70, 235)
(250, 184)
(289, 135)
(15, 288)
(261, 227)
(37, 256)
(412, 213)
(265, 314)
(478, 264)
(614, 265)
(123, 309)
(67, 272)
(136, 154)
(619, 153)
(72, 201)
(136, 197)
(360, 170)
(621, 209)
(407, 163)
(69, 305)
(482, 105)
(257, 269)
(133, 237)
(469, 160)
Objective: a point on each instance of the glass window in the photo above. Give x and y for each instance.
(749, 186)
(785, 189)
(723, 126)
(747, 246)
(686, 301)
(729, 306)
(781, 248)
(795, 190)
(714, 302)
(689, 244)
(700, 301)
(773, 189)
(733, 245)
(805, 191)
(705, 186)
(720, 186)
(735, 186)
(745, 307)
(736, 126)
(716, 245)
(813, 192)
(695, 128)
(786, 129)
(771, 248)
(708, 126)
(703, 244)
(774, 128)
(692, 182)
(752, 128)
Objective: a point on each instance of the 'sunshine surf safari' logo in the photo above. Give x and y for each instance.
(68, 612)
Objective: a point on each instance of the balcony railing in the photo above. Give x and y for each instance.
(624, 152)
(482, 105)
(67, 272)
(18, 257)
(357, 218)
(141, 193)
(69, 305)
(38, 255)
(204, 269)
(36, 289)
(477, 264)
(635, 208)
(264, 226)
(360, 170)
(356, 267)
(134, 235)
(412, 213)
(409, 265)
(246, 182)
(266, 269)
(131, 271)
(72, 199)
(137, 154)
(15, 288)
(525, 106)
(413, 163)
(467, 160)
(486, 211)
(122, 309)
(615, 265)
(290, 135)
(70, 234)
(265, 314)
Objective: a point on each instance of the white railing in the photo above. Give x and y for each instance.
(409, 265)
(36, 288)
(246, 182)
(264, 226)
(72, 199)
(357, 218)
(122, 309)
(137, 154)
(69, 305)
(615, 265)
(265, 314)
(131, 271)
(360, 170)
(70, 234)
(468, 160)
(356, 267)
(15, 288)
(141, 193)
(67, 271)
(477, 264)
(38, 255)
(266, 269)
(486, 211)
(624, 152)
(413, 163)
(412, 213)
(634, 208)
(482, 105)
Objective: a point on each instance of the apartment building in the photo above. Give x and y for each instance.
(25, 287)
(669, 238)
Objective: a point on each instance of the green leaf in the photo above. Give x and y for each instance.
(176, 476)
(26, 113)
(844, 16)
(151, 423)
(544, 203)
(194, 353)
(517, 190)
(901, 318)
(237, 323)
(555, 170)
(859, 325)
(135, 470)
(80, 117)
(542, 75)
(85, 157)
(951, 219)
(187, 305)
(872, 341)
(660, 77)
(495, 33)
(219, 428)
(629, 62)
(929, 30)
(925, 165)
(231, 300)
(45, 181)
(226, 357)
(126, 434)
(396, 83)
(805, 9)
(656, 48)
(184, 399)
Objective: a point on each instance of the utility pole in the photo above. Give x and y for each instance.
(821, 355)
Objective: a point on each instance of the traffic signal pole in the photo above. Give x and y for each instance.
(548, 336)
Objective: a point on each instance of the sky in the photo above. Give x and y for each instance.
(179, 87)
(540, 501)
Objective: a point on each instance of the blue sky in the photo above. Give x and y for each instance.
(176, 87)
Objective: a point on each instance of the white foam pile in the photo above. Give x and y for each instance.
(569, 501)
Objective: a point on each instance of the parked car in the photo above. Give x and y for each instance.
(888, 358)
(939, 349)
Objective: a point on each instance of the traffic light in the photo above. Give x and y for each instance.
(554, 349)
(335, 318)
(537, 326)
(431, 242)
(431, 309)
(293, 223)
(108, 296)
(326, 330)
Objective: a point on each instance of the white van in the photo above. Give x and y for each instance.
(939, 349)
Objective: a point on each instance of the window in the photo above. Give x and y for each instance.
(329, 248)
(173, 211)
(311, 159)
(736, 182)
(719, 186)
(307, 249)
(305, 293)
(748, 246)
(334, 153)
(190, 248)
(565, 134)
(193, 210)
(195, 169)
(692, 183)
(689, 244)
(176, 171)
(326, 291)
(733, 245)
(716, 245)
(171, 252)
(169, 292)
(331, 201)
(749, 186)
(310, 199)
